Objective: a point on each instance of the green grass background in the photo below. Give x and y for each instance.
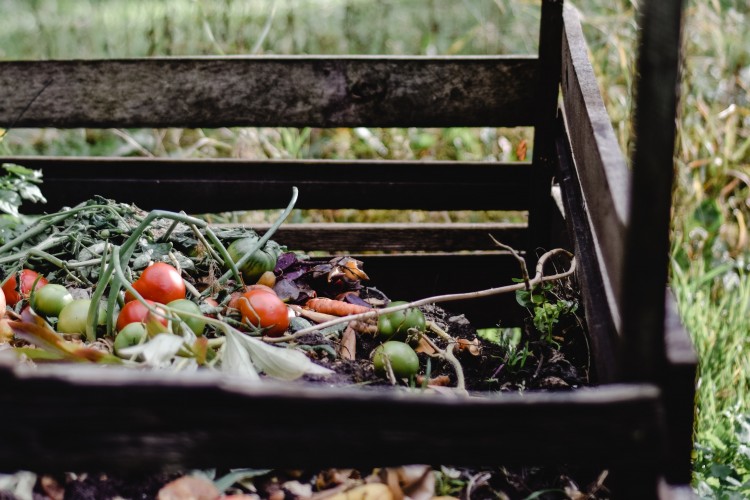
(709, 272)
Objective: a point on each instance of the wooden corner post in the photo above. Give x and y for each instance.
(545, 113)
(647, 239)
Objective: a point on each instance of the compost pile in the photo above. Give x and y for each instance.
(107, 283)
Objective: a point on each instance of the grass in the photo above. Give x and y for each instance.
(712, 194)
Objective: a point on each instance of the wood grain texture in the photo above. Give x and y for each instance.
(295, 91)
(418, 275)
(206, 420)
(398, 237)
(201, 186)
(679, 382)
(647, 247)
(601, 167)
(544, 156)
(599, 318)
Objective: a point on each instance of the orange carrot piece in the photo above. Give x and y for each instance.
(335, 307)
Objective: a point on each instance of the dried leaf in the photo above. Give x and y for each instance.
(189, 488)
(425, 347)
(200, 350)
(277, 362)
(52, 488)
(472, 346)
(348, 346)
(373, 491)
(48, 340)
(20, 484)
(236, 360)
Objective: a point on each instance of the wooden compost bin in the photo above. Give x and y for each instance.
(637, 421)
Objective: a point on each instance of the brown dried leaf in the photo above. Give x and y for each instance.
(472, 346)
(348, 346)
(439, 381)
(52, 488)
(372, 491)
(189, 488)
(521, 150)
(425, 347)
(415, 482)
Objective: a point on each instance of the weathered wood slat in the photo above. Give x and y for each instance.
(647, 246)
(599, 318)
(200, 186)
(205, 420)
(296, 91)
(397, 237)
(416, 276)
(548, 90)
(601, 167)
(679, 383)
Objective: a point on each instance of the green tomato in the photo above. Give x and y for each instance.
(50, 299)
(402, 358)
(197, 325)
(397, 324)
(131, 335)
(73, 316)
(262, 260)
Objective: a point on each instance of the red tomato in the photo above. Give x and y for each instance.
(265, 310)
(14, 294)
(159, 282)
(234, 301)
(135, 312)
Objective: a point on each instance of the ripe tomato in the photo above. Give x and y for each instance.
(159, 282)
(14, 293)
(264, 310)
(135, 312)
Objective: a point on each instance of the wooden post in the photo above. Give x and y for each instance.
(647, 239)
(544, 156)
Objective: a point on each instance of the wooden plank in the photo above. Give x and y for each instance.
(397, 237)
(294, 91)
(647, 247)
(168, 420)
(543, 163)
(219, 185)
(601, 167)
(679, 382)
(420, 275)
(599, 318)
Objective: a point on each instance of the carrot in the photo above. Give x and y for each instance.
(335, 307)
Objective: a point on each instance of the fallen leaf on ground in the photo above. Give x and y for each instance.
(348, 347)
(189, 488)
(374, 491)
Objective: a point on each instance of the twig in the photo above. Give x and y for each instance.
(521, 261)
(448, 355)
(538, 278)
